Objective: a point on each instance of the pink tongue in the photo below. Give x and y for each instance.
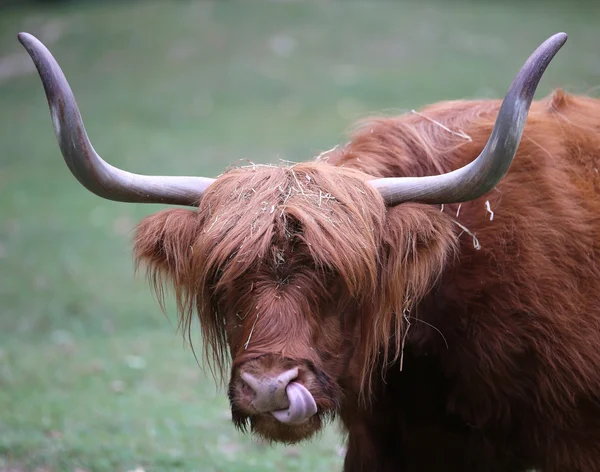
(302, 405)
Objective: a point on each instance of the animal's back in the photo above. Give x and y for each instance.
(514, 358)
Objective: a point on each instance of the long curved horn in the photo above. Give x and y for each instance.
(86, 165)
(481, 175)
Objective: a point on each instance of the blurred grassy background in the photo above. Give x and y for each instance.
(92, 375)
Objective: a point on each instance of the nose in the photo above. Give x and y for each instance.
(269, 391)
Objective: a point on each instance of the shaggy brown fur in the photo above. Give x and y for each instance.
(437, 355)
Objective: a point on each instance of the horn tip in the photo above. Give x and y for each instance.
(23, 36)
(562, 35)
(27, 40)
(560, 38)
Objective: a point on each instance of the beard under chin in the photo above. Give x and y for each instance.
(272, 430)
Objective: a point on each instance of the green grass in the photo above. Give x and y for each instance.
(92, 375)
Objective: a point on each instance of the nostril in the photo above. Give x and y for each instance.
(247, 390)
(250, 382)
(286, 377)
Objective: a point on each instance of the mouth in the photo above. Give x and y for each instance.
(302, 406)
(282, 404)
(266, 426)
(298, 422)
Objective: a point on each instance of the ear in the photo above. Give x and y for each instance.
(163, 243)
(418, 241)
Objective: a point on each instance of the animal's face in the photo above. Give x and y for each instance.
(277, 263)
(296, 275)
